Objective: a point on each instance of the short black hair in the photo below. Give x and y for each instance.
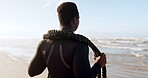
(66, 12)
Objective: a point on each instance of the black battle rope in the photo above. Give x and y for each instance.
(57, 34)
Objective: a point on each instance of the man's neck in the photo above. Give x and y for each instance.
(66, 28)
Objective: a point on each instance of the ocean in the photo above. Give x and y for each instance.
(126, 57)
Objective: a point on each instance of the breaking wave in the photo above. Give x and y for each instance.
(135, 44)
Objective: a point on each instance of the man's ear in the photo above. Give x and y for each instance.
(74, 20)
(75, 23)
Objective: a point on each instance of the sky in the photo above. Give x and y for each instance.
(98, 18)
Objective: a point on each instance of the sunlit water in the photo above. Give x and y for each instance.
(127, 57)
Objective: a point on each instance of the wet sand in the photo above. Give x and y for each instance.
(15, 68)
(127, 66)
(118, 66)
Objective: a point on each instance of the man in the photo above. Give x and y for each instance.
(65, 58)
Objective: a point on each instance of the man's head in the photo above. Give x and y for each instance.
(68, 14)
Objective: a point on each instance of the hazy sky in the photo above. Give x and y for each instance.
(98, 18)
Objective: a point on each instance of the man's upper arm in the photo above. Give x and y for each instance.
(81, 65)
(37, 64)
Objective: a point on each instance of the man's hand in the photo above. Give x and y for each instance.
(101, 60)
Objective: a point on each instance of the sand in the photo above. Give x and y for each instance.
(15, 68)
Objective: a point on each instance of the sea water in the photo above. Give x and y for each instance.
(126, 57)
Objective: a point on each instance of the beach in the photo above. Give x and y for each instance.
(18, 68)
(14, 60)
(127, 67)
(126, 58)
(15, 68)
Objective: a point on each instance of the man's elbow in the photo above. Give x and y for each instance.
(31, 74)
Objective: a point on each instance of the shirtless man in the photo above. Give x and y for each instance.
(65, 58)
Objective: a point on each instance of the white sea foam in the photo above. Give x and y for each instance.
(124, 47)
(26, 47)
(135, 44)
(18, 47)
(142, 44)
(124, 40)
(136, 54)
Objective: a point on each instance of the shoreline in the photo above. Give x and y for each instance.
(15, 68)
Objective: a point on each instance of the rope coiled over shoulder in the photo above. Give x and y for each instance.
(57, 34)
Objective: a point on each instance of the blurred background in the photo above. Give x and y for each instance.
(117, 27)
(105, 18)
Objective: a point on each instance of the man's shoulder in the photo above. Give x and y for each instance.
(82, 45)
(82, 48)
(72, 42)
(44, 42)
(77, 42)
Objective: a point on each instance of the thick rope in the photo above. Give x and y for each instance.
(56, 34)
